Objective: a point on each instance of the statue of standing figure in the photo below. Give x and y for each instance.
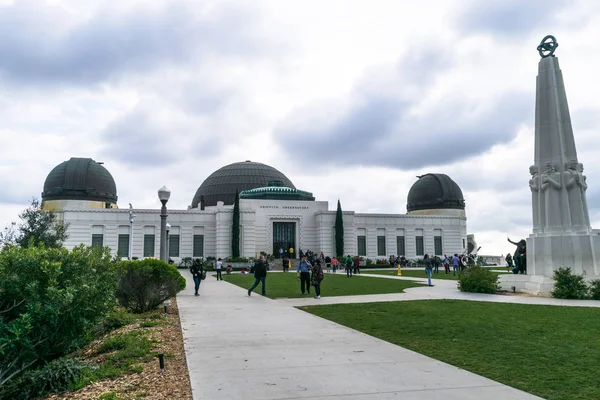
(538, 208)
(576, 186)
(551, 183)
(520, 257)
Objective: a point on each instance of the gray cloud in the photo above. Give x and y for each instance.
(108, 44)
(509, 17)
(382, 131)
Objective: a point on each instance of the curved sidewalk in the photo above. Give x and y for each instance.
(252, 348)
(442, 289)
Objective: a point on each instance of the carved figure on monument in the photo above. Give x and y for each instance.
(534, 185)
(520, 257)
(574, 183)
(583, 187)
(551, 185)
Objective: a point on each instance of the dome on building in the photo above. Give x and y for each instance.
(222, 184)
(80, 179)
(434, 191)
(276, 191)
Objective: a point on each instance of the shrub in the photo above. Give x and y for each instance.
(49, 301)
(595, 289)
(144, 285)
(568, 285)
(236, 259)
(56, 376)
(477, 279)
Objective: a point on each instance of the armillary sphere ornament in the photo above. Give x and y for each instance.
(547, 46)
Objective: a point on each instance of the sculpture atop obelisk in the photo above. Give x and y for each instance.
(562, 235)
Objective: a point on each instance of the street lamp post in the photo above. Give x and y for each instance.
(163, 195)
(131, 218)
(168, 243)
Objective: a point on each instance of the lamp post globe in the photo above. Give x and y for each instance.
(163, 195)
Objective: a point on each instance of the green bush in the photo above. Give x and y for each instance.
(56, 376)
(49, 301)
(595, 289)
(236, 259)
(144, 285)
(477, 279)
(568, 285)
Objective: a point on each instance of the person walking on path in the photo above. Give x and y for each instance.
(303, 272)
(334, 264)
(348, 263)
(428, 268)
(218, 267)
(455, 262)
(285, 264)
(328, 263)
(436, 264)
(260, 275)
(357, 265)
(197, 273)
(317, 278)
(446, 262)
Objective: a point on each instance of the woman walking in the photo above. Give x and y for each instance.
(317, 278)
(428, 268)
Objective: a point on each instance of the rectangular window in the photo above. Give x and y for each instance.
(123, 245)
(173, 245)
(362, 245)
(198, 246)
(420, 245)
(149, 245)
(381, 246)
(401, 246)
(97, 240)
(437, 244)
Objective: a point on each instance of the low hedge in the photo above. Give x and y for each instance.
(477, 279)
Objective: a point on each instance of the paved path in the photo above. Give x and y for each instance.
(255, 348)
(442, 289)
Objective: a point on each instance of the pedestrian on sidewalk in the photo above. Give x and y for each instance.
(436, 264)
(197, 274)
(303, 272)
(357, 265)
(285, 264)
(328, 263)
(428, 268)
(218, 267)
(446, 262)
(334, 264)
(317, 278)
(455, 262)
(260, 275)
(348, 263)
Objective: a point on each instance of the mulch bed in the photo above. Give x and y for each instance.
(150, 383)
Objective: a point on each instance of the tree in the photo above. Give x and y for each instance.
(235, 229)
(39, 227)
(339, 231)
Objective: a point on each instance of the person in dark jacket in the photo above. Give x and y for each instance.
(303, 272)
(197, 271)
(260, 275)
(317, 278)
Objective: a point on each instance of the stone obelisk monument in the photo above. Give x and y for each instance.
(562, 235)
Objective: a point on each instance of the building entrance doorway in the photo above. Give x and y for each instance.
(284, 237)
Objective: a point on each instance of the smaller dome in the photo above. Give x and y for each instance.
(80, 179)
(433, 192)
(275, 190)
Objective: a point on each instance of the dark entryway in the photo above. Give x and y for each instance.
(284, 237)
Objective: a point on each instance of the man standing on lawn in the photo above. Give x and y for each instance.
(260, 275)
(303, 272)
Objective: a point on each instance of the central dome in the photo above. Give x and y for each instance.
(222, 184)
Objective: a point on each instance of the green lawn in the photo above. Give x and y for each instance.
(287, 285)
(548, 351)
(420, 273)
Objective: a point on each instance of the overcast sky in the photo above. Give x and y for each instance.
(349, 99)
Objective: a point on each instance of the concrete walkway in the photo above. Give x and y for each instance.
(442, 289)
(252, 348)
